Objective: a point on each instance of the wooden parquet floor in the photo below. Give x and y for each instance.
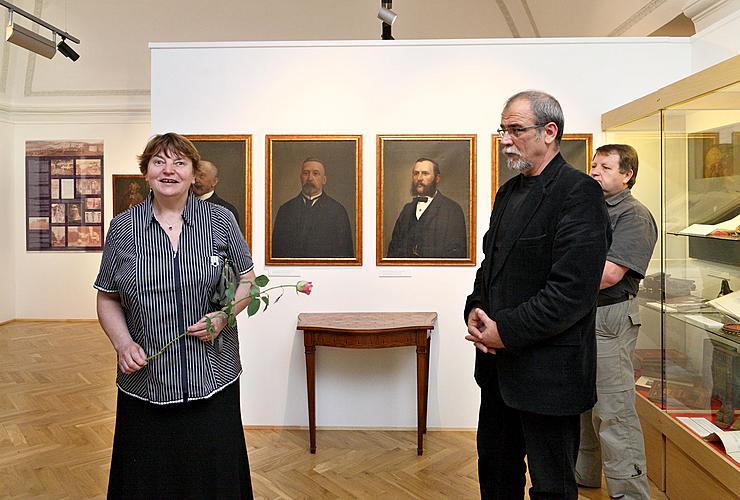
(57, 415)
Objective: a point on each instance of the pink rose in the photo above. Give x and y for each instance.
(304, 287)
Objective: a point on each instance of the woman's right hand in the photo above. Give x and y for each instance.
(131, 357)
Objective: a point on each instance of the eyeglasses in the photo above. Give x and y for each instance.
(515, 131)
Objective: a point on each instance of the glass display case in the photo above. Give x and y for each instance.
(687, 357)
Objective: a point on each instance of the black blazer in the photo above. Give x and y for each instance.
(220, 201)
(541, 289)
(440, 232)
(321, 232)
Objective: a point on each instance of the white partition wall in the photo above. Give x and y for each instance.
(715, 43)
(370, 88)
(9, 218)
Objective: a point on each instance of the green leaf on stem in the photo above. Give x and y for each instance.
(262, 280)
(228, 310)
(254, 291)
(253, 307)
(266, 300)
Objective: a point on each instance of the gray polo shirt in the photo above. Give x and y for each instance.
(634, 234)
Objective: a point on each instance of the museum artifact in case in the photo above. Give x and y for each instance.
(687, 365)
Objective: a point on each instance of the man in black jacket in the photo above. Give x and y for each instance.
(313, 224)
(204, 187)
(531, 313)
(432, 225)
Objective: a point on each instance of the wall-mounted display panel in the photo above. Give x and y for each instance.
(64, 195)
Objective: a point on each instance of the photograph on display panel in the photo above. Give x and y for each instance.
(225, 176)
(576, 149)
(64, 179)
(128, 190)
(313, 200)
(88, 167)
(426, 200)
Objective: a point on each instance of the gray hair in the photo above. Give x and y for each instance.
(545, 108)
(213, 165)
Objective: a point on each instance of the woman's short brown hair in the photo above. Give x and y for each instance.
(171, 144)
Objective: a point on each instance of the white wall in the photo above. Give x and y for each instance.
(716, 43)
(58, 285)
(7, 221)
(345, 87)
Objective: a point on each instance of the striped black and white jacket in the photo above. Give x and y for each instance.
(162, 292)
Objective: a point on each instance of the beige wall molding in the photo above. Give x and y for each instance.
(509, 19)
(637, 17)
(93, 113)
(705, 12)
(532, 22)
(5, 69)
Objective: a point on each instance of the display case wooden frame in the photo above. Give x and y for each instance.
(341, 156)
(232, 155)
(396, 156)
(577, 149)
(679, 461)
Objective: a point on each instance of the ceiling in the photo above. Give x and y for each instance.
(115, 34)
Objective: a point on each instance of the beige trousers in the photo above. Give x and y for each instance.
(610, 433)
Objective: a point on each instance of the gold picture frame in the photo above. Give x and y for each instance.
(455, 156)
(577, 149)
(291, 243)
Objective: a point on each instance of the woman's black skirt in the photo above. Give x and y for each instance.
(182, 450)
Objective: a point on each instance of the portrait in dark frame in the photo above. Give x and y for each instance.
(232, 156)
(128, 190)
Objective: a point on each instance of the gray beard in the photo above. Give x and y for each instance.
(518, 165)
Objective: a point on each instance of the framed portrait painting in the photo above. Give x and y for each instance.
(706, 157)
(128, 190)
(426, 200)
(577, 150)
(231, 155)
(313, 213)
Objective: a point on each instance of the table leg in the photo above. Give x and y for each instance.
(422, 360)
(308, 341)
(426, 384)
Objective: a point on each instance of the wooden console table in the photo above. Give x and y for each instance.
(369, 331)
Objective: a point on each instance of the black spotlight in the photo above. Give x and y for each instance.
(67, 51)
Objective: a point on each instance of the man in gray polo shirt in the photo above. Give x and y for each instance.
(610, 433)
